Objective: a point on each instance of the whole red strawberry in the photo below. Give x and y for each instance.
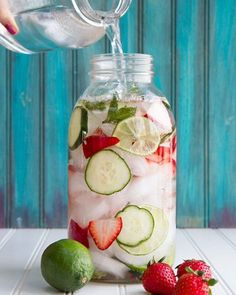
(195, 265)
(193, 284)
(159, 278)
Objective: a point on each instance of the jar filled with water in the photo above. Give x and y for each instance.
(122, 167)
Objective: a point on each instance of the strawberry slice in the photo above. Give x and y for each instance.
(174, 167)
(162, 155)
(95, 143)
(78, 233)
(105, 231)
(173, 143)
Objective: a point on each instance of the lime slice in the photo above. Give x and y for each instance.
(137, 135)
(159, 234)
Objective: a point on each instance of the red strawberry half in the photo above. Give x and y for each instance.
(105, 231)
(159, 278)
(195, 265)
(95, 143)
(78, 233)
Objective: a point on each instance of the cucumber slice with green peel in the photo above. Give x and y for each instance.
(159, 234)
(138, 224)
(139, 269)
(107, 173)
(78, 127)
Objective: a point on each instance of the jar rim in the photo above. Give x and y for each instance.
(124, 56)
(132, 66)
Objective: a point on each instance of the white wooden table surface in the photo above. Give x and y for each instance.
(20, 252)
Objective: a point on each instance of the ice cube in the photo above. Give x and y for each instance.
(77, 184)
(138, 165)
(109, 265)
(158, 112)
(116, 203)
(149, 189)
(78, 159)
(92, 247)
(95, 119)
(108, 128)
(86, 207)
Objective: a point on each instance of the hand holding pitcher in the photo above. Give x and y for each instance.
(7, 19)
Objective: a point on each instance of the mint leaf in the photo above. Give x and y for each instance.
(112, 109)
(116, 115)
(123, 114)
(96, 105)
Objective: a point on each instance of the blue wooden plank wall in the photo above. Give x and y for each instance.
(194, 46)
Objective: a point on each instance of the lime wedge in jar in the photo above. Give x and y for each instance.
(137, 135)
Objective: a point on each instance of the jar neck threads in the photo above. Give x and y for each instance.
(133, 67)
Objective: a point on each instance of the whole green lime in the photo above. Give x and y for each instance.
(67, 265)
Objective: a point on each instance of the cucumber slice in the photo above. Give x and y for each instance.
(138, 224)
(78, 127)
(107, 173)
(137, 270)
(159, 234)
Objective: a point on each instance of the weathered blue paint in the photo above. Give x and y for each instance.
(194, 47)
(190, 105)
(129, 28)
(157, 41)
(222, 113)
(24, 136)
(57, 96)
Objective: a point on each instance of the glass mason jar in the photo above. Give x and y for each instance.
(122, 169)
(49, 24)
